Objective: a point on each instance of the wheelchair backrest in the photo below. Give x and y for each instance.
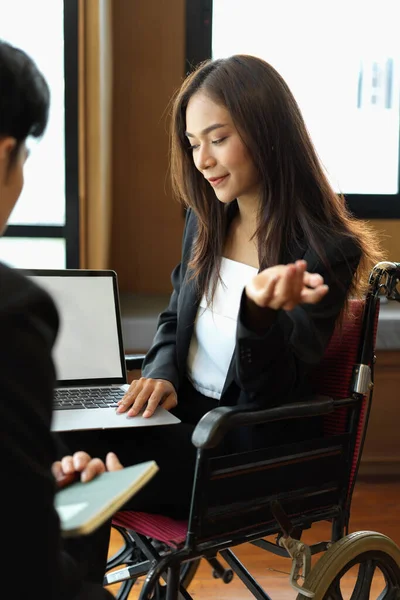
(334, 376)
(312, 478)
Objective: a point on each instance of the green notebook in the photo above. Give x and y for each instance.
(82, 507)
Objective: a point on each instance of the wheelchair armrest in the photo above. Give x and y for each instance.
(134, 361)
(217, 422)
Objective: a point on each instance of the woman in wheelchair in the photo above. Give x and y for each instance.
(270, 257)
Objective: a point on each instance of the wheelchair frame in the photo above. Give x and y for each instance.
(321, 491)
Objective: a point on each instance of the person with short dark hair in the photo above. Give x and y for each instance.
(34, 562)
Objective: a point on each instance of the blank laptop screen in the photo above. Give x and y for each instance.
(87, 346)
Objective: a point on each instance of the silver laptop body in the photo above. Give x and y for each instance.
(89, 353)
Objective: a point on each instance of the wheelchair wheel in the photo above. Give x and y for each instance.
(131, 554)
(188, 571)
(361, 566)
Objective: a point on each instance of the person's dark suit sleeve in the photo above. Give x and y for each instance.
(271, 363)
(36, 564)
(161, 359)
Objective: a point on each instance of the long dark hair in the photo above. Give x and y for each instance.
(297, 203)
(24, 96)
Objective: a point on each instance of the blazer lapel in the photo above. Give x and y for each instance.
(187, 310)
(230, 391)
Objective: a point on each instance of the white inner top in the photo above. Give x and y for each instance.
(214, 334)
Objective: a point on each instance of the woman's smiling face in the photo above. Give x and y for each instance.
(219, 152)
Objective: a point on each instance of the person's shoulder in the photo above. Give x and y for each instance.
(337, 247)
(343, 246)
(190, 220)
(20, 296)
(190, 232)
(13, 286)
(16, 288)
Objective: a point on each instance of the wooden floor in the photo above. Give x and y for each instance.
(375, 507)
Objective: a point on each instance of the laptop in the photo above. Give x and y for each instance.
(89, 353)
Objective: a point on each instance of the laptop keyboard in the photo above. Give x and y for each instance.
(70, 399)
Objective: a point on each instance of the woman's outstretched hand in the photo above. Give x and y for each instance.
(286, 286)
(149, 393)
(82, 467)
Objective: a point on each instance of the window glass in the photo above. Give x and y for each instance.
(341, 60)
(33, 253)
(37, 27)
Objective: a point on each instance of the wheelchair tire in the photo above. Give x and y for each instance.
(369, 550)
(188, 571)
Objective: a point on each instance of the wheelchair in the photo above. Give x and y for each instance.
(279, 491)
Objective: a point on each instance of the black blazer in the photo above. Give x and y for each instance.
(34, 563)
(270, 367)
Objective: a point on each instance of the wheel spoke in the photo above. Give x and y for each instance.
(334, 592)
(364, 580)
(360, 566)
(390, 593)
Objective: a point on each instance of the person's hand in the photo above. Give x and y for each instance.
(149, 393)
(286, 286)
(81, 466)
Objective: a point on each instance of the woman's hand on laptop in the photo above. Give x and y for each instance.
(82, 467)
(148, 393)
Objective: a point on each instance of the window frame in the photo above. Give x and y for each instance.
(70, 231)
(198, 41)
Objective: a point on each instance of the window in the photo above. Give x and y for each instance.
(43, 228)
(341, 60)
